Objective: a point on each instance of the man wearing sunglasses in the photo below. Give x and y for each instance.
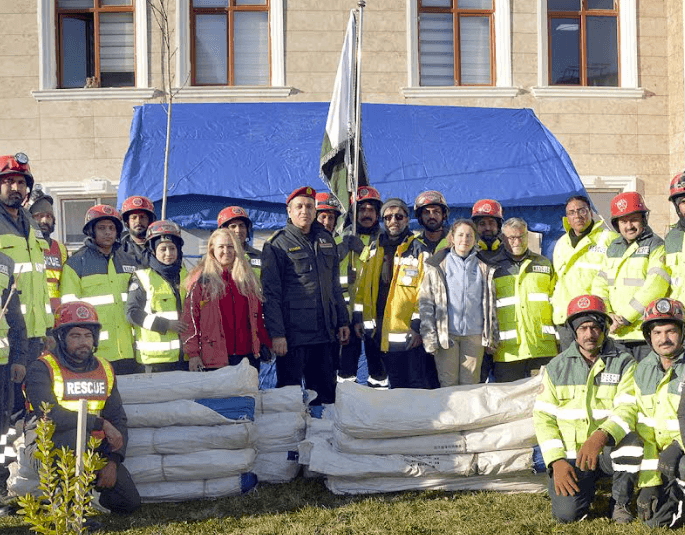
(578, 256)
(386, 302)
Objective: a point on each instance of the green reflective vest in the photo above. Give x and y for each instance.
(576, 267)
(524, 312)
(675, 262)
(577, 400)
(633, 276)
(153, 347)
(4, 327)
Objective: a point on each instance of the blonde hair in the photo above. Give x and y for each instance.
(209, 271)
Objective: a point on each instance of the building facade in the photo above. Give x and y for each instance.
(605, 76)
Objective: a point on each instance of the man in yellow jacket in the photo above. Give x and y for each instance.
(578, 256)
(634, 272)
(386, 308)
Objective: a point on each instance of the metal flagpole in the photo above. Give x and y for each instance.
(358, 114)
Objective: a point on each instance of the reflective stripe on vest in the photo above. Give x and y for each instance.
(4, 327)
(68, 386)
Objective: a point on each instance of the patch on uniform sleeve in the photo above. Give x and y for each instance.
(128, 269)
(255, 262)
(541, 269)
(610, 378)
(642, 250)
(293, 249)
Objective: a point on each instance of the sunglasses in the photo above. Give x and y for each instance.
(396, 217)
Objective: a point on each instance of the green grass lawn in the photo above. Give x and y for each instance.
(307, 507)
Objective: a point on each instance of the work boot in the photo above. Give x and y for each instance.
(621, 514)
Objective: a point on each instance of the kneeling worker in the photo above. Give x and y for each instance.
(53, 378)
(583, 415)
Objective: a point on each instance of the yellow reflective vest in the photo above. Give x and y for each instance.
(68, 386)
(345, 272)
(576, 267)
(29, 272)
(5, 273)
(153, 347)
(576, 400)
(675, 262)
(657, 393)
(55, 257)
(524, 313)
(633, 276)
(402, 305)
(102, 281)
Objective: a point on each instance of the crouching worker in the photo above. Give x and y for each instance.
(155, 300)
(583, 417)
(72, 372)
(658, 382)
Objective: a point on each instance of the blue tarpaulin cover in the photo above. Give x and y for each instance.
(255, 154)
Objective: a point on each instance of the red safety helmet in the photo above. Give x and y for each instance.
(662, 309)
(17, 165)
(135, 204)
(426, 199)
(163, 228)
(626, 203)
(585, 304)
(76, 314)
(230, 213)
(368, 194)
(325, 201)
(677, 187)
(487, 208)
(102, 211)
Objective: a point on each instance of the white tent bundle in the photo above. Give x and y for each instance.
(363, 412)
(178, 491)
(175, 440)
(230, 381)
(279, 400)
(279, 432)
(276, 466)
(181, 412)
(200, 465)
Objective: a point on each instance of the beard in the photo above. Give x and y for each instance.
(47, 228)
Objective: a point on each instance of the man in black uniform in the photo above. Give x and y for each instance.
(304, 309)
(72, 372)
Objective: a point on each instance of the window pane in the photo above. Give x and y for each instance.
(73, 215)
(602, 51)
(250, 2)
(115, 2)
(563, 5)
(251, 48)
(474, 4)
(565, 48)
(436, 3)
(210, 3)
(117, 50)
(77, 51)
(436, 49)
(210, 49)
(600, 4)
(75, 4)
(474, 47)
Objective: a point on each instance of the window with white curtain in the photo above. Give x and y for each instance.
(96, 43)
(230, 42)
(456, 42)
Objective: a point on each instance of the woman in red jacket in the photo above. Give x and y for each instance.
(223, 309)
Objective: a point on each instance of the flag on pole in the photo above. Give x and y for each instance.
(337, 150)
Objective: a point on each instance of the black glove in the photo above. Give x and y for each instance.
(353, 243)
(669, 460)
(647, 502)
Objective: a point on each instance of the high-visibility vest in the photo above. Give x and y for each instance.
(524, 312)
(103, 282)
(55, 257)
(402, 305)
(68, 386)
(29, 273)
(633, 276)
(657, 394)
(346, 284)
(5, 273)
(254, 258)
(576, 267)
(675, 262)
(576, 400)
(153, 347)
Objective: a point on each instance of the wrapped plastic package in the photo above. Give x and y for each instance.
(182, 491)
(175, 440)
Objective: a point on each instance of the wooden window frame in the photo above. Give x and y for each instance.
(582, 16)
(230, 12)
(457, 13)
(95, 12)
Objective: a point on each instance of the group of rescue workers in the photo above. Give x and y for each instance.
(443, 306)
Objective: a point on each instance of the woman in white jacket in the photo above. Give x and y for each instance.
(457, 307)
